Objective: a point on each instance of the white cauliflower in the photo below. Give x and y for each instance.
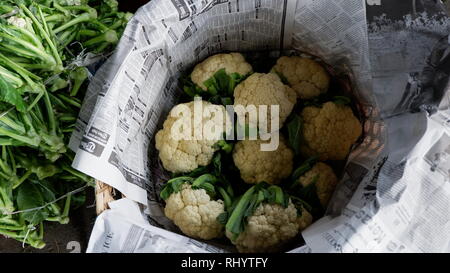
(195, 213)
(329, 131)
(307, 77)
(325, 181)
(232, 63)
(271, 225)
(182, 152)
(72, 2)
(265, 89)
(17, 21)
(257, 166)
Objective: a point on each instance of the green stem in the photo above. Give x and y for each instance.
(5, 168)
(67, 118)
(39, 53)
(7, 227)
(27, 75)
(82, 8)
(100, 26)
(4, 154)
(31, 36)
(109, 36)
(55, 18)
(68, 130)
(41, 231)
(12, 160)
(116, 24)
(75, 173)
(102, 47)
(11, 234)
(43, 33)
(50, 41)
(37, 66)
(13, 125)
(22, 179)
(50, 113)
(58, 102)
(88, 32)
(9, 222)
(71, 101)
(65, 215)
(19, 51)
(67, 37)
(61, 9)
(236, 218)
(226, 198)
(5, 176)
(18, 59)
(8, 205)
(36, 100)
(85, 17)
(8, 142)
(23, 139)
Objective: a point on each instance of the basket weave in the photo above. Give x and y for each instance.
(103, 195)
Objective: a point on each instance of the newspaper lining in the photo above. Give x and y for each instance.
(395, 192)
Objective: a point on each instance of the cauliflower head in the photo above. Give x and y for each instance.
(307, 77)
(17, 21)
(257, 166)
(180, 151)
(265, 89)
(232, 63)
(325, 178)
(271, 226)
(329, 132)
(195, 213)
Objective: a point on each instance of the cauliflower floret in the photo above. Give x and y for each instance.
(179, 154)
(265, 89)
(307, 77)
(270, 226)
(305, 220)
(329, 132)
(257, 166)
(195, 213)
(325, 183)
(17, 21)
(233, 63)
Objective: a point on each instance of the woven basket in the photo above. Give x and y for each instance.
(103, 195)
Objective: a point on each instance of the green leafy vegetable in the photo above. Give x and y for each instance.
(304, 167)
(295, 133)
(220, 87)
(227, 147)
(28, 197)
(40, 95)
(206, 182)
(11, 95)
(249, 202)
(174, 186)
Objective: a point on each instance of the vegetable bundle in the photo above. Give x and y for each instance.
(42, 84)
(290, 184)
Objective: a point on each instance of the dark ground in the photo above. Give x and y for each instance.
(58, 236)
